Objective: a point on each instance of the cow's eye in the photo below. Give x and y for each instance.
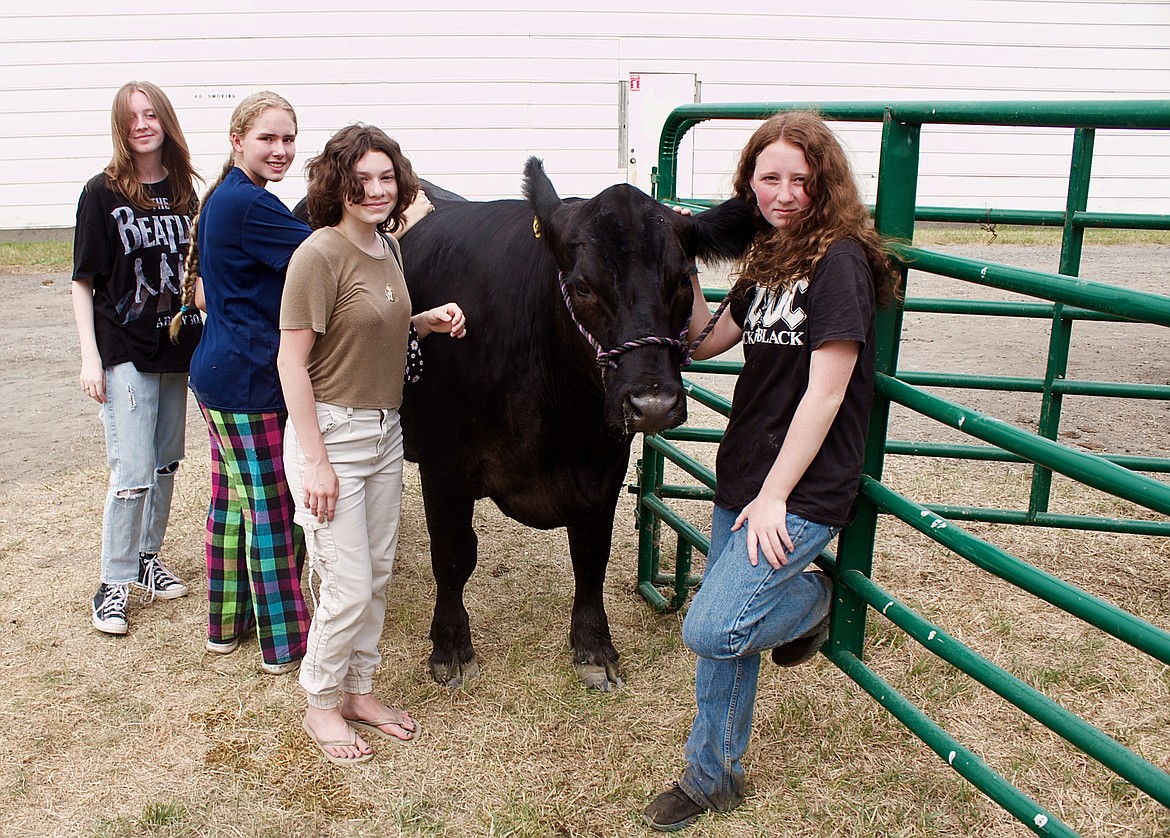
(581, 289)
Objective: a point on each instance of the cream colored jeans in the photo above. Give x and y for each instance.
(352, 556)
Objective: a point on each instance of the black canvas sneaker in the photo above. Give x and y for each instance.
(159, 582)
(109, 608)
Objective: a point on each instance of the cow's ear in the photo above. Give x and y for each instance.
(545, 202)
(723, 232)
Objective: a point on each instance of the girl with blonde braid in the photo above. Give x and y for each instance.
(133, 227)
(243, 239)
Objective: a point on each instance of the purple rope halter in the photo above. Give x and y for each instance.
(607, 358)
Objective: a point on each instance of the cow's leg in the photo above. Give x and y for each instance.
(453, 558)
(594, 657)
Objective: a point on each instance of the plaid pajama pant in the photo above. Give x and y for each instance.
(255, 553)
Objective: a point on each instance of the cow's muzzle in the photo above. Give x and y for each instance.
(650, 411)
(649, 408)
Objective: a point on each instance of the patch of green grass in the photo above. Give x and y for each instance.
(54, 678)
(1121, 791)
(121, 827)
(1127, 237)
(16, 783)
(420, 817)
(884, 636)
(36, 257)
(161, 815)
(1070, 665)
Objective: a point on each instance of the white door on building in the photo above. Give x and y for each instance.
(650, 97)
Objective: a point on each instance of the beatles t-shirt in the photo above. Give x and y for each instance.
(135, 258)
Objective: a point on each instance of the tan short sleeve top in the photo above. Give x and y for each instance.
(360, 309)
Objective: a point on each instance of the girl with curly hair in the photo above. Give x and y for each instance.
(345, 320)
(788, 467)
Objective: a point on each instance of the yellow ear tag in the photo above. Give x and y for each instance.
(535, 227)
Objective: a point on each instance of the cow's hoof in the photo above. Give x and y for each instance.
(597, 677)
(452, 675)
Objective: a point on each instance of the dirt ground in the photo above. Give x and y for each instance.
(51, 483)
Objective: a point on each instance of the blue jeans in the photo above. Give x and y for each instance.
(739, 612)
(145, 416)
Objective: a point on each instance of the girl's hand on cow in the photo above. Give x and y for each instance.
(93, 379)
(766, 519)
(447, 318)
(419, 209)
(321, 490)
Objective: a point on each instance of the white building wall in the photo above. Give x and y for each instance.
(471, 89)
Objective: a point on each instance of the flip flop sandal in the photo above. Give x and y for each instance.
(374, 728)
(337, 743)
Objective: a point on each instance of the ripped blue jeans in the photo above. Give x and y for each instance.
(145, 416)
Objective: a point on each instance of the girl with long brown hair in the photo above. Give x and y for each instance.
(133, 228)
(790, 461)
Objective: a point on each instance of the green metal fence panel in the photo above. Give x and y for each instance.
(1102, 747)
(1085, 468)
(1126, 303)
(1062, 299)
(964, 761)
(1141, 113)
(1093, 610)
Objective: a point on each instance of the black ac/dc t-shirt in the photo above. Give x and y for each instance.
(781, 328)
(135, 259)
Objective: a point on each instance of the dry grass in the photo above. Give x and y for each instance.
(149, 735)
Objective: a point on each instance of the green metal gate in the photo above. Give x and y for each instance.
(1062, 300)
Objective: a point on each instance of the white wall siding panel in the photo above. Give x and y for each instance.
(471, 88)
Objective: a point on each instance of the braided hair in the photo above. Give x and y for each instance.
(242, 119)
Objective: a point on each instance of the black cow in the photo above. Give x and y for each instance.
(522, 411)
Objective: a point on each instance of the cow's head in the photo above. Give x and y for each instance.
(625, 261)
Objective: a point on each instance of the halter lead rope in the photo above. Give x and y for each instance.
(606, 359)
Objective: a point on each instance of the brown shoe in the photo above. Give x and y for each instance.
(671, 811)
(804, 648)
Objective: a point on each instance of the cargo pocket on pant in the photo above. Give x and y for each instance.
(318, 542)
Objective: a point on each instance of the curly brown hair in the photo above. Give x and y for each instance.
(782, 256)
(331, 177)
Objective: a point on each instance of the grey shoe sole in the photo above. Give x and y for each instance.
(669, 827)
